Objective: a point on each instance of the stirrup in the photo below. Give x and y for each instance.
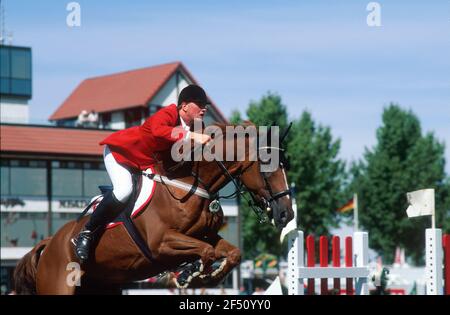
(82, 244)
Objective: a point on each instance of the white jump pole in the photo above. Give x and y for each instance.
(361, 256)
(421, 203)
(433, 261)
(296, 259)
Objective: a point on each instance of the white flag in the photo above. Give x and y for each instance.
(421, 202)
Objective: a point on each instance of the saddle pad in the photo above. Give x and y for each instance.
(144, 197)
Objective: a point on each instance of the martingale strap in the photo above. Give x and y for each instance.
(179, 184)
(125, 217)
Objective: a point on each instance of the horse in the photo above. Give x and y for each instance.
(179, 229)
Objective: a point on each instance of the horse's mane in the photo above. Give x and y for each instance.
(177, 172)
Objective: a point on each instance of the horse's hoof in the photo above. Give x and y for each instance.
(182, 285)
(220, 268)
(213, 272)
(190, 272)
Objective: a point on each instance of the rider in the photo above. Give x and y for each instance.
(134, 149)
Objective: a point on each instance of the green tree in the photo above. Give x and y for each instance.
(318, 175)
(269, 110)
(403, 160)
(235, 117)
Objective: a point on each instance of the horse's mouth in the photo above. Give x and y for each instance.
(283, 218)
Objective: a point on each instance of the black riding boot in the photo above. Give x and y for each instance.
(108, 209)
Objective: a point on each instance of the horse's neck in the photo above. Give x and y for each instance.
(213, 176)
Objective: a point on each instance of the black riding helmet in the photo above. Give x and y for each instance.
(193, 93)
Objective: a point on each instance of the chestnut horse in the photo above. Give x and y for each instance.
(177, 230)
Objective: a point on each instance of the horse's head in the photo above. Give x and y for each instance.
(267, 181)
(258, 162)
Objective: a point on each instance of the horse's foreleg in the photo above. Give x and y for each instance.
(177, 247)
(228, 255)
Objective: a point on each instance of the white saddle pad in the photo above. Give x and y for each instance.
(144, 197)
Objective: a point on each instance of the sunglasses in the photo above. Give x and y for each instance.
(200, 105)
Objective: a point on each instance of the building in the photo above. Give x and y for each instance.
(15, 83)
(125, 99)
(49, 173)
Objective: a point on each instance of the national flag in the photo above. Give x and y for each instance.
(347, 207)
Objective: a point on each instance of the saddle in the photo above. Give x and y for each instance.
(143, 190)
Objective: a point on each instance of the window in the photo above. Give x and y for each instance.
(16, 72)
(27, 178)
(134, 116)
(21, 64)
(67, 182)
(34, 163)
(61, 218)
(5, 181)
(23, 229)
(78, 179)
(93, 179)
(5, 86)
(105, 119)
(66, 123)
(67, 178)
(22, 163)
(5, 63)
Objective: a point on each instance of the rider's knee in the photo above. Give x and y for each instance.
(122, 193)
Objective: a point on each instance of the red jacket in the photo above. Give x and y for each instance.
(137, 147)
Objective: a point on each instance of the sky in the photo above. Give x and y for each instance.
(320, 56)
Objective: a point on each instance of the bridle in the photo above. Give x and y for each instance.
(253, 202)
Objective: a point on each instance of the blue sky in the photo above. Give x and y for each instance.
(318, 55)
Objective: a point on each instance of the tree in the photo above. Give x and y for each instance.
(318, 175)
(403, 160)
(235, 117)
(269, 110)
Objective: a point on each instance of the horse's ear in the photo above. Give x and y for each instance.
(269, 136)
(269, 133)
(285, 133)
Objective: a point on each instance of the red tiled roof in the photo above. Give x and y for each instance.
(119, 91)
(31, 139)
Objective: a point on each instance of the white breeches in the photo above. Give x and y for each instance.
(120, 177)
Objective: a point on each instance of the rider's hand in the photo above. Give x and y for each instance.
(200, 138)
